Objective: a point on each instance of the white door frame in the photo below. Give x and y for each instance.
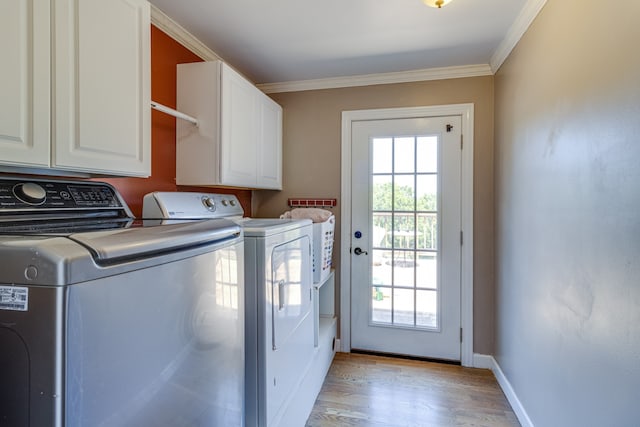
(466, 288)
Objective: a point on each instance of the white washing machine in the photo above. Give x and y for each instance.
(279, 338)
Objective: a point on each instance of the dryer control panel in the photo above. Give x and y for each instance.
(190, 205)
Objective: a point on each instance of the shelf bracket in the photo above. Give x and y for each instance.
(174, 113)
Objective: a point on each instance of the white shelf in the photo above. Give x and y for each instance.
(318, 285)
(326, 328)
(324, 297)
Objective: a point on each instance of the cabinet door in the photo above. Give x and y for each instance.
(238, 148)
(102, 86)
(24, 83)
(270, 144)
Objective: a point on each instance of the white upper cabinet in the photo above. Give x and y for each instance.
(238, 141)
(102, 81)
(25, 83)
(95, 117)
(239, 131)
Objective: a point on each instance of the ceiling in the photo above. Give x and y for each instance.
(294, 40)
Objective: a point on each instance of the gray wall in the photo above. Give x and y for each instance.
(567, 189)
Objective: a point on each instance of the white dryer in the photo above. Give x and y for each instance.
(279, 337)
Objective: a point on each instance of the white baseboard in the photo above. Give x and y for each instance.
(484, 361)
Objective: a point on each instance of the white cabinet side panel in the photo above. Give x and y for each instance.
(198, 148)
(270, 144)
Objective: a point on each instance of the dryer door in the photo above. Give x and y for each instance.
(291, 323)
(290, 288)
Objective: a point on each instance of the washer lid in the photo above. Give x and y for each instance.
(261, 227)
(114, 246)
(80, 257)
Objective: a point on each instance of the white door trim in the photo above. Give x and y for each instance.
(466, 296)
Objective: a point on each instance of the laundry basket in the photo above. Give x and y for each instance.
(322, 248)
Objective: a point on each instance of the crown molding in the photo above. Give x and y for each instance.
(517, 30)
(520, 26)
(379, 79)
(182, 36)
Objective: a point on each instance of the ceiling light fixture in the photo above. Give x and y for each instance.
(436, 3)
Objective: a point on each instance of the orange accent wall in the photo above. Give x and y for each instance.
(166, 53)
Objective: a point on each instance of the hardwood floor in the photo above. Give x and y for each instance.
(364, 390)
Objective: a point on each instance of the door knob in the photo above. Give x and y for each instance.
(359, 251)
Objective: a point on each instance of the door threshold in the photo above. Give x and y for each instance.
(405, 356)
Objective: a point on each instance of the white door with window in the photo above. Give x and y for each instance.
(406, 236)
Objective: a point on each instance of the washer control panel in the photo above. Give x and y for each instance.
(19, 194)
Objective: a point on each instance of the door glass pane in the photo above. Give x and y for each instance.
(403, 268)
(381, 271)
(404, 235)
(382, 192)
(404, 155)
(427, 270)
(381, 304)
(427, 192)
(382, 155)
(403, 307)
(427, 231)
(404, 193)
(379, 236)
(404, 231)
(427, 309)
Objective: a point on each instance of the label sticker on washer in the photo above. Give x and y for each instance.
(14, 298)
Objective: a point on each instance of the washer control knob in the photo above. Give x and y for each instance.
(209, 203)
(30, 193)
(232, 202)
(224, 202)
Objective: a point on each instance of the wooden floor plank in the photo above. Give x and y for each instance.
(377, 391)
